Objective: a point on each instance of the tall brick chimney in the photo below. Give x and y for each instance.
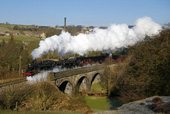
(65, 24)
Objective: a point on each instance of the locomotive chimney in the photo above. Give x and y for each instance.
(65, 24)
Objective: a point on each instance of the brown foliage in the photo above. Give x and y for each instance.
(157, 100)
(40, 97)
(9, 59)
(112, 74)
(148, 71)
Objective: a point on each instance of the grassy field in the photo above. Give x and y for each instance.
(9, 27)
(97, 103)
(6, 27)
(38, 112)
(96, 88)
(20, 38)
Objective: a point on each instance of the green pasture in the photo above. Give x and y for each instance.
(20, 38)
(6, 27)
(96, 88)
(97, 103)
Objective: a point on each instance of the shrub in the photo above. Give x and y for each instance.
(11, 96)
(40, 96)
(148, 71)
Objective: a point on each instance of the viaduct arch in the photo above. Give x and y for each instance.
(75, 80)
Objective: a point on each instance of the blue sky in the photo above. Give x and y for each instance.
(82, 12)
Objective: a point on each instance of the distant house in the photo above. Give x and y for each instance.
(4, 33)
(43, 36)
(87, 30)
(60, 28)
(17, 33)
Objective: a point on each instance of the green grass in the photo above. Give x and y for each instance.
(38, 112)
(97, 103)
(9, 27)
(6, 27)
(20, 38)
(97, 88)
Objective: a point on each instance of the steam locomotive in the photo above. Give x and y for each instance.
(36, 67)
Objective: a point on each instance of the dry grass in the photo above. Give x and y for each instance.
(41, 96)
(12, 97)
(9, 76)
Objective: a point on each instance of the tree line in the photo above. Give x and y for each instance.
(145, 73)
(12, 53)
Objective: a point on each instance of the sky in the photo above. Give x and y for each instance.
(82, 12)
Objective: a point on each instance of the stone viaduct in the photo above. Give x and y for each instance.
(75, 80)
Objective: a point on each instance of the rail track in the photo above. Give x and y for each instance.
(12, 82)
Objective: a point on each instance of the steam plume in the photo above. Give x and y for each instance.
(115, 36)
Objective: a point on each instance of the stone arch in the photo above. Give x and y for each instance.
(96, 78)
(82, 84)
(66, 87)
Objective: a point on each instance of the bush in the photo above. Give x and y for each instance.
(112, 75)
(40, 96)
(10, 97)
(148, 71)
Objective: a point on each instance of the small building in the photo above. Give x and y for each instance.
(4, 33)
(43, 36)
(86, 30)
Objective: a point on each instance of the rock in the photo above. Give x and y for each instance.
(152, 106)
(142, 104)
(157, 100)
(115, 109)
(159, 105)
(162, 107)
(146, 106)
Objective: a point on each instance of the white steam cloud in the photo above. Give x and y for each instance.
(105, 40)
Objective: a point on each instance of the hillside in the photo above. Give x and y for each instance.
(29, 30)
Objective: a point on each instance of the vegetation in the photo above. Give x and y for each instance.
(148, 70)
(52, 31)
(19, 38)
(50, 55)
(33, 29)
(74, 30)
(14, 52)
(97, 103)
(43, 96)
(145, 73)
(25, 28)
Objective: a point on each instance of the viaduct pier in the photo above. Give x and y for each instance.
(72, 81)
